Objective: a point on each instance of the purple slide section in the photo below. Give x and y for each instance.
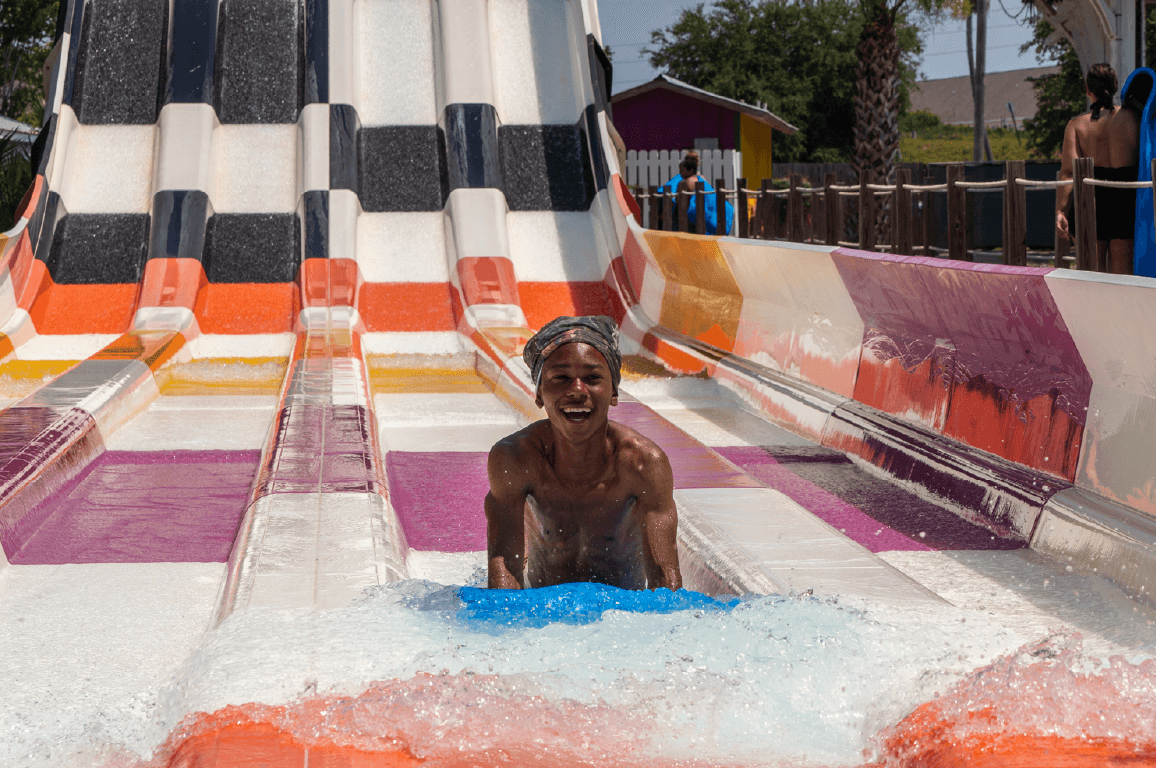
(828, 507)
(438, 499)
(144, 507)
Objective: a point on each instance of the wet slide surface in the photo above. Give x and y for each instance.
(255, 543)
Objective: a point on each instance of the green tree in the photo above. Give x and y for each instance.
(1059, 96)
(796, 57)
(15, 178)
(26, 29)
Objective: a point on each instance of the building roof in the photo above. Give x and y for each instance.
(949, 99)
(21, 132)
(666, 82)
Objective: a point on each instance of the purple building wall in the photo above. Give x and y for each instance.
(662, 119)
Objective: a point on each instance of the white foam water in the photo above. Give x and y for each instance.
(776, 680)
(793, 678)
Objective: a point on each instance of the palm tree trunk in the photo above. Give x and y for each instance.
(876, 134)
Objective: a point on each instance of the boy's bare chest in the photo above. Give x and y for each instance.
(571, 509)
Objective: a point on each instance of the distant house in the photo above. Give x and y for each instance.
(669, 114)
(949, 99)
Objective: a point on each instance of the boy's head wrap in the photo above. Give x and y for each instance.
(598, 331)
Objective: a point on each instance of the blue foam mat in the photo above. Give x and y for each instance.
(574, 604)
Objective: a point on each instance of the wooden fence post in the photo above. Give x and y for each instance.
(741, 213)
(720, 207)
(682, 203)
(956, 214)
(902, 214)
(1087, 257)
(833, 202)
(795, 210)
(1015, 216)
(699, 210)
(652, 220)
(866, 213)
(770, 217)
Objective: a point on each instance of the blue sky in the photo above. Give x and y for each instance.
(627, 24)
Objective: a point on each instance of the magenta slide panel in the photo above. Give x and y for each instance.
(1113, 321)
(45, 448)
(797, 316)
(979, 353)
(436, 514)
(111, 512)
(51, 435)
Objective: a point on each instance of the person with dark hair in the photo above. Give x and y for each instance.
(576, 497)
(688, 172)
(1092, 135)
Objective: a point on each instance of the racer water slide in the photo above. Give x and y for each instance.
(262, 316)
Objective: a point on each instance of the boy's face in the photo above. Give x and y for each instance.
(576, 390)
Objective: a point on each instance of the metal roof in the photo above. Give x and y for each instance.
(23, 132)
(666, 82)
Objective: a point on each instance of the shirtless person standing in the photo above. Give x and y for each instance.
(1110, 136)
(577, 497)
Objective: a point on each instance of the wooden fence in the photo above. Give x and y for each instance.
(646, 168)
(818, 214)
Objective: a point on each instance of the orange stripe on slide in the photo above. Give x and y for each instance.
(106, 308)
(542, 302)
(20, 268)
(245, 745)
(329, 282)
(248, 307)
(24, 209)
(406, 307)
(153, 348)
(172, 283)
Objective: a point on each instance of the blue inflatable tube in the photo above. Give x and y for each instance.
(1144, 246)
(710, 205)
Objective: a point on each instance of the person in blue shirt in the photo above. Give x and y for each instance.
(688, 170)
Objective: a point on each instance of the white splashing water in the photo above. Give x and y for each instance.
(796, 679)
(775, 680)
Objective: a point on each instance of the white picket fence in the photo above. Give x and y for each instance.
(653, 167)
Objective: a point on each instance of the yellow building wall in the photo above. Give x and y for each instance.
(755, 144)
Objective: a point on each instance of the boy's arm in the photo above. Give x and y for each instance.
(659, 517)
(505, 518)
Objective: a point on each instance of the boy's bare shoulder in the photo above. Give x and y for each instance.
(636, 449)
(518, 445)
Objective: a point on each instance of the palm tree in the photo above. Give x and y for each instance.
(876, 134)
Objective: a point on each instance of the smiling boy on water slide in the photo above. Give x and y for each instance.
(577, 497)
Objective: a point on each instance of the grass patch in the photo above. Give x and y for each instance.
(953, 143)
